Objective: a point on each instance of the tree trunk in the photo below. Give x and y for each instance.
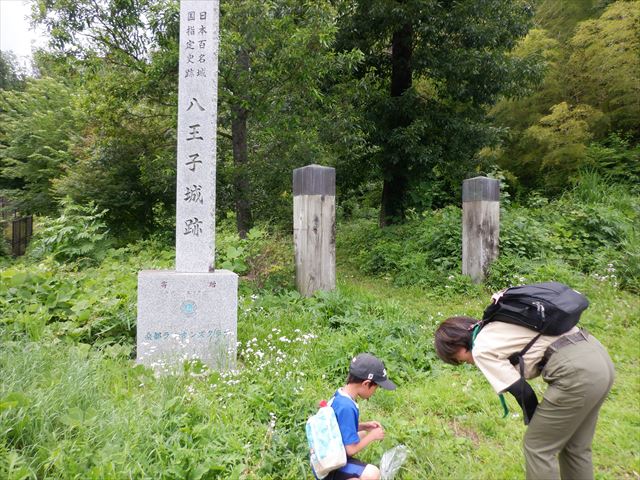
(240, 158)
(396, 175)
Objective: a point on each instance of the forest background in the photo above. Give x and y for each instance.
(405, 99)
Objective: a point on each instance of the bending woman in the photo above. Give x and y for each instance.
(579, 374)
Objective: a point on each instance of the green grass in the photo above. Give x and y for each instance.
(71, 410)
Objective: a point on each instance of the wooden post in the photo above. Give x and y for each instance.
(480, 225)
(314, 228)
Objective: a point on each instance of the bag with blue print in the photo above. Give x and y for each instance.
(326, 449)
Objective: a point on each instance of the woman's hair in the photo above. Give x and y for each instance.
(452, 334)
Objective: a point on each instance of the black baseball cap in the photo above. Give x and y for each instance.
(368, 367)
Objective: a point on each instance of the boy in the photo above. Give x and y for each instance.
(366, 374)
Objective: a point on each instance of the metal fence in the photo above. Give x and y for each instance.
(18, 229)
(21, 233)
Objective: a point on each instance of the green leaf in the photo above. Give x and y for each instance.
(14, 400)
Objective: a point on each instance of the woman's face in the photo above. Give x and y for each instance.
(464, 355)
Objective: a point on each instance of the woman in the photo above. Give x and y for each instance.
(577, 369)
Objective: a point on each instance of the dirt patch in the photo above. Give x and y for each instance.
(461, 431)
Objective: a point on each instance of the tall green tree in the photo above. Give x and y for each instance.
(436, 66)
(274, 56)
(37, 127)
(560, 18)
(123, 60)
(11, 75)
(605, 65)
(590, 92)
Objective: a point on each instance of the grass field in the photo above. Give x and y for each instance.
(74, 410)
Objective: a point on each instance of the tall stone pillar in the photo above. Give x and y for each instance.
(314, 228)
(191, 312)
(480, 225)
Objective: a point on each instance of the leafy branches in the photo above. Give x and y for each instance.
(78, 234)
(37, 126)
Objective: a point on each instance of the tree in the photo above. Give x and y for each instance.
(561, 140)
(11, 75)
(590, 89)
(273, 57)
(605, 65)
(122, 58)
(560, 19)
(438, 65)
(37, 126)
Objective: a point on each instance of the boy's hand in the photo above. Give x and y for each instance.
(368, 426)
(376, 433)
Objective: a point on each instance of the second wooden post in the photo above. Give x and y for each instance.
(480, 225)
(314, 228)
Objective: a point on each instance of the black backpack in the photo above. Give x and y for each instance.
(549, 308)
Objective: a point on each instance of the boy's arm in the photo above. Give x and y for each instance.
(373, 435)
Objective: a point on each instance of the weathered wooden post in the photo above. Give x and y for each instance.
(480, 225)
(314, 228)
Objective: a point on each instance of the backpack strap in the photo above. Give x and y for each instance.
(518, 359)
(514, 359)
(475, 329)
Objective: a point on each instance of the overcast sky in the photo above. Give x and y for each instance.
(15, 33)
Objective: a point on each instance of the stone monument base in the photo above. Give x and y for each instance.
(185, 317)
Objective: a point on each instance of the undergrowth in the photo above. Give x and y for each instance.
(73, 404)
(593, 231)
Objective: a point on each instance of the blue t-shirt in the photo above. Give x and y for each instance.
(348, 417)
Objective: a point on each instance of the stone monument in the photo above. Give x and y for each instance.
(314, 228)
(191, 313)
(480, 225)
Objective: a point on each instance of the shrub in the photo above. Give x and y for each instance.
(588, 231)
(77, 235)
(424, 251)
(265, 259)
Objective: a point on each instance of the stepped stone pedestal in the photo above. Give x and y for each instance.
(187, 316)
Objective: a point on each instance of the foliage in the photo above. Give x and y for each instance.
(587, 99)
(5, 249)
(77, 235)
(275, 58)
(561, 19)
(616, 159)
(64, 303)
(560, 141)
(264, 259)
(70, 287)
(320, 83)
(36, 128)
(425, 251)
(125, 161)
(11, 75)
(606, 67)
(430, 70)
(590, 231)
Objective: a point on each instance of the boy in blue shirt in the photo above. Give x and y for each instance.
(366, 374)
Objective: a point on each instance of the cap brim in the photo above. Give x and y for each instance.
(387, 384)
